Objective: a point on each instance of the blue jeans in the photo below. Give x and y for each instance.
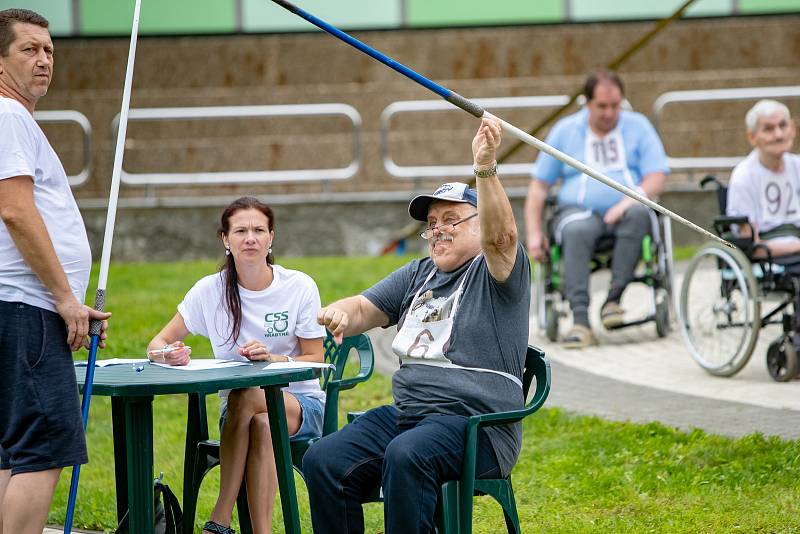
(410, 456)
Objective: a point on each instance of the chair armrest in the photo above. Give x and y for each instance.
(366, 366)
(363, 347)
(352, 416)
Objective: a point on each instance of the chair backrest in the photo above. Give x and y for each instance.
(536, 366)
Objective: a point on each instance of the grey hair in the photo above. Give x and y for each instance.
(764, 108)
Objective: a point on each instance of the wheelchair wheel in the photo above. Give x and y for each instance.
(551, 319)
(782, 359)
(662, 312)
(720, 310)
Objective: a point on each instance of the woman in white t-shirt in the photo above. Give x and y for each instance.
(251, 310)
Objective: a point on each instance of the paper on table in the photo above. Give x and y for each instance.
(298, 365)
(204, 364)
(112, 361)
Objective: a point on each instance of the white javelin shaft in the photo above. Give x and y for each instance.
(111, 216)
(544, 147)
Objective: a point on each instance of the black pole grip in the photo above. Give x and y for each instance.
(467, 105)
(95, 325)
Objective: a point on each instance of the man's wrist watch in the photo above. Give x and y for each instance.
(289, 359)
(485, 173)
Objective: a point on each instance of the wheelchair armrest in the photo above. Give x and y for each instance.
(723, 223)
(723, 226)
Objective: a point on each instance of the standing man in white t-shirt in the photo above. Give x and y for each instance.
(765, 187)
(44, 270)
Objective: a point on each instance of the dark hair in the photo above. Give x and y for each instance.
(7, 19)
(601, 76)
(228, 268)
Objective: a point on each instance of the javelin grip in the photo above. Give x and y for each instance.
(467, 105)
(95, 325)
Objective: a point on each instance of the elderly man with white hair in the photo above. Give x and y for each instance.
(765, 187)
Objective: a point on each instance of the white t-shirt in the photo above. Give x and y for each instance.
(277, 316)
(766, 198)
(25, 151)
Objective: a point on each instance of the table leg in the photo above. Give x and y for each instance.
(139, 445)
(283, 457)
(120, 456)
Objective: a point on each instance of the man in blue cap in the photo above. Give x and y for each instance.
(462, 317)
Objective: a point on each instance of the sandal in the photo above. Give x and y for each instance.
(612, 315)
(215, 528)
(578, 337)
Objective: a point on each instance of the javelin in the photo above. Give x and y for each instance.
(474, 109)
(100, 295)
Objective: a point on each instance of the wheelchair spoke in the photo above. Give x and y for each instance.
(719, 310)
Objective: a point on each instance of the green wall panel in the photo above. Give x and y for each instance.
(106, 17)
(636, 9)
(768, 6)
(57, 12)
(263, 15)
(475, 12)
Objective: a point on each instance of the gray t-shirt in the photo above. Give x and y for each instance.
(490, 332)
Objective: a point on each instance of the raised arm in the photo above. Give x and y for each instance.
(351, 316)
(498, 227)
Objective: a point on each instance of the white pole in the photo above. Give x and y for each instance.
(572, 162)
(111, 216)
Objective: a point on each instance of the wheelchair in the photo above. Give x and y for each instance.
(654, 270)
(722, 296)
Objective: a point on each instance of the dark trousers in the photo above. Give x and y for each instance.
(409, 456)
(578, 236)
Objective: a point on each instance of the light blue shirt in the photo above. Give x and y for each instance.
(644, 154)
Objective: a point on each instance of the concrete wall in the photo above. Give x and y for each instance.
(315, 68)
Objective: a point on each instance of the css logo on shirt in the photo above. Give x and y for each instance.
(276, 324)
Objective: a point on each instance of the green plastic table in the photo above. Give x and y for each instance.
(132, 395)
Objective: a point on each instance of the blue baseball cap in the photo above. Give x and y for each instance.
(450, 192)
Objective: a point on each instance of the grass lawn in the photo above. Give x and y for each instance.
(575, 473)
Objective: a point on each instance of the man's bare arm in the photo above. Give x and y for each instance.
(498, 227)
(534, 208)
(351, 316)
(29, 233)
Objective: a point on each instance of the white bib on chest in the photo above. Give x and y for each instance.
(605, 154)
(779, 199)
(425, 335)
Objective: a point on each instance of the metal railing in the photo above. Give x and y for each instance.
(246, 112)
(439, 171)
(72, 117)
(714, 95)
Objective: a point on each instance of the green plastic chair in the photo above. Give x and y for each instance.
(454, 503)
(206, 455)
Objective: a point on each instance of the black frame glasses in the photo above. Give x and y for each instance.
(428, 232)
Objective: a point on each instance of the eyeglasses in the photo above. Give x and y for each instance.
(446, 226)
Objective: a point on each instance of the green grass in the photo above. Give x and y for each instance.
(575, 474)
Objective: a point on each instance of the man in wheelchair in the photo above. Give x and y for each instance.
(762, 218)
(623, 145)
(765, 187)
